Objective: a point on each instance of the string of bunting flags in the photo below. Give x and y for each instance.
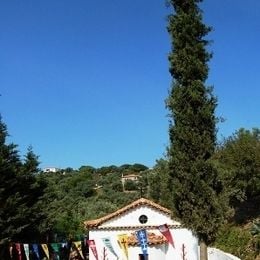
(78, 250)
(75, 250)
(122, 240)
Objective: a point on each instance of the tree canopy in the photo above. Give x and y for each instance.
(19, 193)
(238, 159)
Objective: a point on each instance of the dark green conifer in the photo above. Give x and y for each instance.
(19, 193)
(31, 163)
(197, 193)
(10, 199)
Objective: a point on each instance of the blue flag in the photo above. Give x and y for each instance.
(142, 238)
(36, 251)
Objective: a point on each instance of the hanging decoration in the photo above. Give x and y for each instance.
(142, 238)
(26, 251)
(108, 244)
(18, 250)
(36, 251)
(92, 245)
(79, 248)
(167, 234)
(123, 243)
(45, 250)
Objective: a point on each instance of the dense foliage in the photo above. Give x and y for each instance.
(239, 155)
(51, 207)
(19, 193)
(238, 159)
(73, 197)
(240, 241)
(197, 192)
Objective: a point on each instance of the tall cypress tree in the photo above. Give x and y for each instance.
(197, 193)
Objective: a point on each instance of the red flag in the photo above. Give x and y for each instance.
(19, 250)
(167, 234)
(92, 245)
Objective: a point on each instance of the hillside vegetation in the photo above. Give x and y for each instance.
(51, 207)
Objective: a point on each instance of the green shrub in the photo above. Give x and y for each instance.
(238, 241)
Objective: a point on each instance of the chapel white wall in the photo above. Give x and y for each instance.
(158, 252)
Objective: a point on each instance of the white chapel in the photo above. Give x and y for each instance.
(116, 236)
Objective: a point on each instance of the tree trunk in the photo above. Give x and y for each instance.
(203, 251)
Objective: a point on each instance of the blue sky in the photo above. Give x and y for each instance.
(84, 82)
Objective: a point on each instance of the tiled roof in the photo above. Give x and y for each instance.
(142, 201)
(152, 238)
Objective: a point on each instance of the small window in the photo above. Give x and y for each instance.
(143, 219)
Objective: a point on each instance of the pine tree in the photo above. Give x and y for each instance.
(10, 199)
(31, 189)
(197, 193)
(31, 164)
(19, 193)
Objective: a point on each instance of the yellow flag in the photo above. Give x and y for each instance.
(78, 246)
(46, 250)
(122, 241)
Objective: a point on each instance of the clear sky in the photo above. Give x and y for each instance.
(84, 81)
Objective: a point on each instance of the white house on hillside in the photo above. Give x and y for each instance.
(50, 169)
